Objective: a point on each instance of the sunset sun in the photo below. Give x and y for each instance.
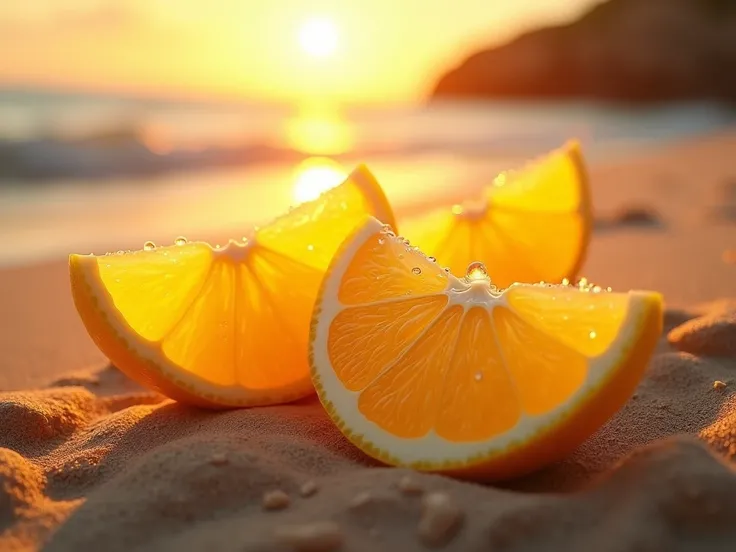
(318, 37)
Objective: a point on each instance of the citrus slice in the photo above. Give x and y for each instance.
(419, 368)
(529, 226)
(226, 326)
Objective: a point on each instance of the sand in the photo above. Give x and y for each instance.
(91, 461)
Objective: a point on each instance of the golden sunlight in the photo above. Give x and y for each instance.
(319, 132)
(316, 175)
(318, 37)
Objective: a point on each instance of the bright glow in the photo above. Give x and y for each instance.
(318, 37)
(319, 133)
(316, 175)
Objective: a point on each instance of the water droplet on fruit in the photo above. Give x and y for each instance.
(432, 259)
(148, 246)
(181, 240)
(381, 241)
(476, 271)
(478, 376)
(416, 270)
(447, 269)
(592, 335)
(310, 247)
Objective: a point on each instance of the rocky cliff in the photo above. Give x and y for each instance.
(621, 50)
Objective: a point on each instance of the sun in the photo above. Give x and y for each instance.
(318, 37)
(316, 175)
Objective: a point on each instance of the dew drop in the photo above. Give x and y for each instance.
(432, 259)
(565, 282)
(310, 247)
(381, 241)
(476, 271)
(148, 246)
(447, 269)
(592, 335)
(406, 242)
(478, 376)
(596, 289)
(416, 270)
(181, 240)
(457, 210)
(609, 289)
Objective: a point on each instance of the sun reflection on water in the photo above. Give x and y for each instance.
(319, 132)
(316, 175)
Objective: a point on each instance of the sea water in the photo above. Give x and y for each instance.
(91, 173)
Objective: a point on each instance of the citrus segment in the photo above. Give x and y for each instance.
(542, 244)
(312, 231)
(382, 331)
(545, 372)
(203, 340)
(381, 270)
(226, 326)
(598, 315)
(404, 399)
(530, 225)
(551, 184)
(479, 399)
(460, 377)
(157, 284)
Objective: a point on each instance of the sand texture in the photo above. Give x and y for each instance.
(91, 461)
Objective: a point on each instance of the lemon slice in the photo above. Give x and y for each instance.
(419, 368)
(222, 326)
(531, 225)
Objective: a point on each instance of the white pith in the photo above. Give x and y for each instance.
(151, 352)
(432, 448)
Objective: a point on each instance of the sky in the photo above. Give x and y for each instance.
(294, 51)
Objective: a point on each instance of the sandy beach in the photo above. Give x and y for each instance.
(91, 461)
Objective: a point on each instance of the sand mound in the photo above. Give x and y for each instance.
(21, 485)
(721, 434)
(711, 335)
(29, 419)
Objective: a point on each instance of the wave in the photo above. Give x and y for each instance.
(119, 153)
(126, 150)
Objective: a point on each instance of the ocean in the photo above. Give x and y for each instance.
(92, 172)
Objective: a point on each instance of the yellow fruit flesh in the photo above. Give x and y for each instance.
(231, 318)
(531, 225)
(421, 364)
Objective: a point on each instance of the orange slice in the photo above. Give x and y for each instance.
(227, 326)
(419, 368)
(529, 226)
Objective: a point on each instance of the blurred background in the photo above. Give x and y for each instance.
(128, 120)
